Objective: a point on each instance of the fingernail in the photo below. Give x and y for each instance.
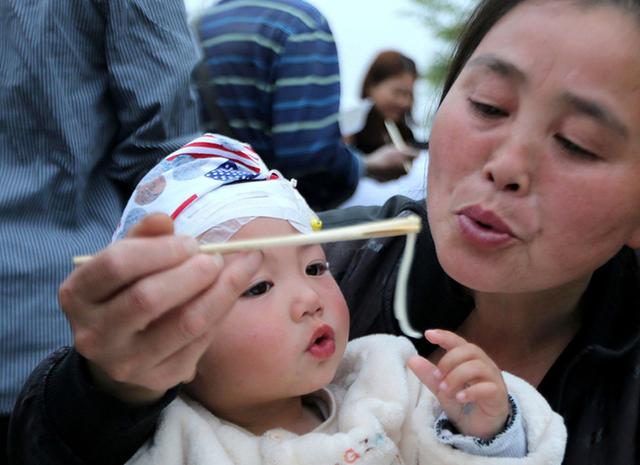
(443, 386)
(437, 374)
(461, 396)
(190, 245)
(253, 260)
(218, 260)
(430, 333)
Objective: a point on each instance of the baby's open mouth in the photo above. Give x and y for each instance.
(322, 342)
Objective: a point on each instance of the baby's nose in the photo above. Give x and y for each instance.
(306, 301)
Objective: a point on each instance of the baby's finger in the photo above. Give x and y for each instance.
(468, 373)
(445, 339)
(462, 354)
(487, 392)
(424, 370)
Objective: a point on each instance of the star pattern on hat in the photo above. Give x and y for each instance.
(228, 172)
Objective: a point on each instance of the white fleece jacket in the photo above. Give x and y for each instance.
(378, 413)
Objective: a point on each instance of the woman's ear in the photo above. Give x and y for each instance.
(634, 241)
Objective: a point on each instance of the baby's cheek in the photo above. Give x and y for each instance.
(343, 309)
(342, 321)
(266, 340)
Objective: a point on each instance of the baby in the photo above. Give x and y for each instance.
(279, 384)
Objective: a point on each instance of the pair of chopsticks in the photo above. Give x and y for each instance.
(409, 226)
(398, 141)
(383, 228)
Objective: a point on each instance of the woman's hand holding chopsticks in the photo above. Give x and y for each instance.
(141, 308)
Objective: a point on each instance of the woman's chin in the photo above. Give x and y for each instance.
(480, 275)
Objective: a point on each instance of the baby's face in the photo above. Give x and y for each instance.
(286, 334)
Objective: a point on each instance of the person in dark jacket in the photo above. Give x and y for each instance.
(527, 251)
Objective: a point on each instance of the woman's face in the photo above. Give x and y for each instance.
(534, 175)
(393, 97)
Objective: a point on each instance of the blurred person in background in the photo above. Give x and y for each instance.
(270, 77)
(388, 84)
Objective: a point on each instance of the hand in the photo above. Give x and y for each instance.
(140, 309)
(467, 383)
(388, 163)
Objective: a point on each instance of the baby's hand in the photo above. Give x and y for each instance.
(467, 383)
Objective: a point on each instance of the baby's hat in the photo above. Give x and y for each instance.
(215, 182)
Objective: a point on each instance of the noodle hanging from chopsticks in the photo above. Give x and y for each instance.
(400, 298)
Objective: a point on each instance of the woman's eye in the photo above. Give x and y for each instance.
(487, 110)
(575, 149)
(258, 289)
(317, 269)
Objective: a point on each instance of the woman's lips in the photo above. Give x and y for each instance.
(483, 227)
(322, 344)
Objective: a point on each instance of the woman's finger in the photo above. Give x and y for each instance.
(156, 224)
(179, 367)
(121, 264)
(216, 301)
(117, 348)
(179, 326)
(137, 306)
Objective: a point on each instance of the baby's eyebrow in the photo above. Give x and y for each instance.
(305, 249)
(309, 246)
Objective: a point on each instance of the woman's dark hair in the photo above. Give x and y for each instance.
(387, 64)
(486, 14)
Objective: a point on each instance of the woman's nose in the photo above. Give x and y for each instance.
(510, 168)
(305, 302)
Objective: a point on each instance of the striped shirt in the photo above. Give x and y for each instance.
(274, 68)
(92, 94)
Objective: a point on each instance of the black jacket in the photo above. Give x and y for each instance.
(595, 383)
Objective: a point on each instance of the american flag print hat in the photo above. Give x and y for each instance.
(210, 181)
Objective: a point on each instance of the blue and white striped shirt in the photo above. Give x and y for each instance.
(274, 67)
(92, 94)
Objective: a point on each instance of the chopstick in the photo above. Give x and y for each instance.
(394, 134)
(383, 228)
(398, 141)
